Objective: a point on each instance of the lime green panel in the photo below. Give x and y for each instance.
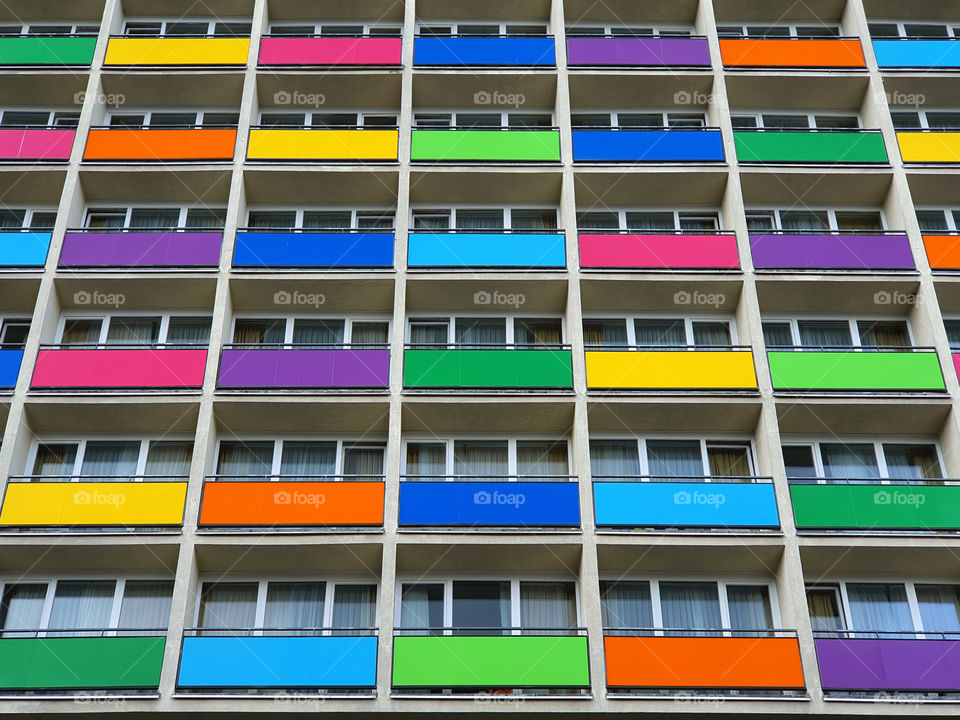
(894, 507)
(802, 370)
(810, 147)
(483, 145)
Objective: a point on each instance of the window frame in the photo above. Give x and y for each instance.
(510, 319)
(165, 22)
(831, 217)
(511, 475)
(128, 211)
(879, 455)
(715, 440)
(676, 211)
(107, 318)
(665, 119)
(81, 443)
(809, 115)
(688, 320)
(853, 324)
(290, 320)
(342, 444)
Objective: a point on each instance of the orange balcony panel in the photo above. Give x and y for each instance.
(160, 145)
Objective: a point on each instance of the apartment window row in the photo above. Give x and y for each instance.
(895, 29)
(311, 332)
(669, 458)
(13, 332)
(794, 121)
(655, 332)
(641, 221)
(127, 459)
(27, 218)
(165, 329)
(469, 120)
(320, 219)
(299, 458)
(484, 219)
(815, 219)
(27, 118)
(925, 120)
(8, 29)
(482, 29)
(177, 119)
(871, 334)
(358, 29)
(886, 609)
(187, 28)
(939, 220)
(639, 31)
(522, 332)
(862, 460)
(367, 120)
(639, 120)
(785, 30)
(491, 459)
(153, 218)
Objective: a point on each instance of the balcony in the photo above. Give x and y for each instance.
(291, 249)
(760, 53)
(446, 501)
(869, 505)
(201, 52)
(47, 50)
(112, 144)
(757, 661)
(24, 248)
(66, 502)
(11, 357)
(54, 663)
(917, 54)
(848, 369)
(332, 52)
(36, 144)
(469, 145)
(679, 503)
(291, 502)
(791, 250)
(810, 147)
(673, 145)
(487, 249)
(252, 366)
(929, 146)
(506, 368)
(213, 660)
(172, 248)
(659, 250)
(869, 661)
(484, 51)
(942, 250)
(97, 368)
(475, 659)
(637, 52)
(671, 369)
(311, 144)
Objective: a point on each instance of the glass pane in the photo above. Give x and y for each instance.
(112, 458)
(327, 220)
(205, 218)
(906, 120)
(481, 331)
(517, 120)
(824, 333)
(932, 220)
(761, 221)
(133, 331)
(531, 333)
(426, 461)
(294, 606)
(145, 605)
(55, 460)
(428, 333)
(777, 335)
(879, 606)
(912, 462)
(160, 218)
(614, 458)
(187, 28)
(841, 122)
(728, 460)
(626, 605)
(953, 333)
(12, 218)
(268, 119)
(824, 608)
(542, 458)
(81, 332)
(173, 119)
(598, 221)
(674, 459)
(660, 333)
(245, 458)
(354, 606)
(369, 333)
(856, 462)
(22, 607)
(785, 122)
(533, 219)
(480, 219)
(259, 332)
(640, 120)
(421, 606)
(188, 331)
(228, 605)
(431, 220)
(749, 607)
(272, 219)
(939, 608)
(481, 605)
(14, 333)
(82, 605)
(548, 605)
(798, 460)
(804, 220)
(609, 333)
(42, 220)
(14, 118)
(364, 461)
(169, 460)
(699, 221)
(848, 220)
(927, 30)
(334, 120)
(690, 605)
(374, 220)
(885, 333)
(480, 459)
(711, 334)
(318, 332)
(306, 459)
(641, 221)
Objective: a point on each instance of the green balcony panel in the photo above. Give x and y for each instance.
(47, 50)
(510, 661)
(809, 147)
(876, 507)
(80, 662)
(486, 145)
(487, 369)
(906, 371)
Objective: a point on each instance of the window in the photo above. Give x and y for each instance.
(655, 333)
(665, 459)
(13, 333)
(173, 120)
(74, 608)
(49, 29)
(341, 220)
(893, 29)
(641, 221)
(926, 120)
(155, 218)
(626, 120)
(38, 118)
(579, 30)
(485, 29)
(328, 120)
(820, 30)
(187, 28)
(285, 608)
(305, 459)
(334, 30)
(795, 121)
(479, 332)
(827, 220)
(27, 219)
(493, 460)
(134, 460)
(305, 332)
(470, 120)
(883, 335)
(485, 219)
(134, 331)
(878, 460)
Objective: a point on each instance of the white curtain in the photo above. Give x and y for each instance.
(55, 460)
(204, 218)
(318, 332)
(690, 605)
(133, 331)
(674, 458)
(245, 459)
(879, 606)
(421, 606)
(855, 462)
(480, 219)
(609, 333)
(481, 604)
(804, 220)
(228, 606)
(749, 607)
(912, 462)
(354, 606)
(480, 459)
(145, 605)
(23, 607)
(368, 333)
(472, 331)
(939, 608)
(711, 334)
(824, 333)
(548, 605)
(159, 218)
(81, 332)
(426, 461)
(363, 461)
(614, 458)
(660, 333)
(168, 460)
(626, 605)
(111, 458)
(645, 221)
(598, 221)
(534, 333)
(294, 605)
(82, 605)
(188, 331)
(303, 459)
(542, 458)
(327, 220)
(428, 333)
(777, 335)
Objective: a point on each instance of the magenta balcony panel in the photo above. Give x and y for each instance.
(304, 368)
(637, 52)
(108, 368)
(141, 249)
(684, 251)
(330, 51)
(844, 251)
(49, 144)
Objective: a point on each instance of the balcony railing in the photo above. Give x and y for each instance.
(658, 249)
(489, 501)
(291, 501)
(867, 250)
(11, 358)
(348, 143)
(718, 503)
(593, 51)
(485, 144)
(318, 366)
(800, 53)
(670, 367)
(36, 143)
(647, 145)
(289, 248)
(177, 247)
(462, 50)
(829, 368)
(810, 146)
(119, 366)
(486, 248)
(176, 50)
(917, 53)
(47, 49)
(185, 143)
(934, 146)
(341, 51)
(942, 248)
(463, 366)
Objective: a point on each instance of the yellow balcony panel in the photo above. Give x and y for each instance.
(167, 51)
(337, 145)
(671, 370)
(929, 147)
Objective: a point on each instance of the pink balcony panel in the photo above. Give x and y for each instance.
(673, 252)
(35, 144)
(330, 51)
(120, 368)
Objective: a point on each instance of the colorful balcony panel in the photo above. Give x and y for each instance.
(98, 504)
(160, 145)
(746, 663)
(173, 51)
(634, 504)
(68, 50)
(846, 251)
(80, 663)
(872, 506)
(683, 251)
(507, 661)
(487, 369)
(302, 368)
(335, 145)
(25, 249)
(682, 146)
(36, 144)
(10, 361)
(789, 146)
(670, 370)
(489, 504)
(313, 250)
(479, 51)
(141, 249)
(330, 51)
(943, 251)
(849, 370)
(924, 54)
(485, 146)
(486, 250)
(230, 503)
(897, 664)
(108, 369)
(801, 53)
(637, 52)
(213, 662)
(929, 147)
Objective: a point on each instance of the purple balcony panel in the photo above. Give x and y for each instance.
(889, 664)
(295, 368)
(831, 252)
(141, 249)
(638, 52)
